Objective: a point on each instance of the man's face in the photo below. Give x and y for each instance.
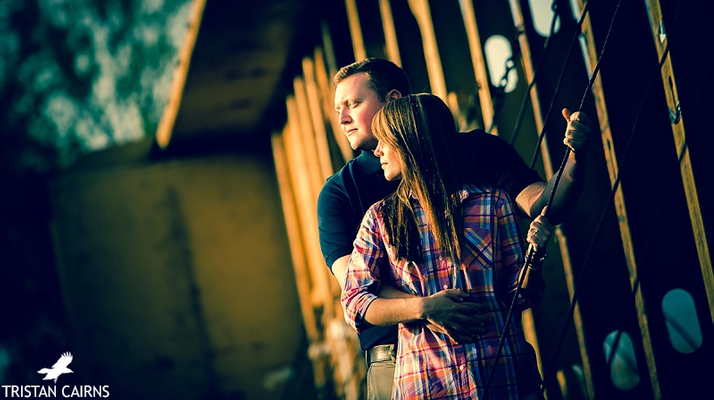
(356, 104)
(391, 163)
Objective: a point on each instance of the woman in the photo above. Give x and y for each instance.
(438, 232)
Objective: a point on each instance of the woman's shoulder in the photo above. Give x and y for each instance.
(375, 213)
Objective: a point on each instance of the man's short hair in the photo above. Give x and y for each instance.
(383, 76)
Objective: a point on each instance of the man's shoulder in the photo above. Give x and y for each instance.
(360, 183)
(339, 183)
(477, 131)
(479, 135)
(352, 166)
(342, 172)
(355, 168)
(334, 186)
(484, 144)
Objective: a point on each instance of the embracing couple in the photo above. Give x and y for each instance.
(421, 232)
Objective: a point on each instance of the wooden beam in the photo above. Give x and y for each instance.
(318, 120)
(173, 102)
(355, 30)
(669, 81)
(479, 64)
(297, 248)
(307, 137)
(598, 94)
(422, 13)
(306, 202)
(390, 32)
(326, 91)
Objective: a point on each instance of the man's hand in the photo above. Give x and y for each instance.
(578, 130)
(449, 312)
(535, 196)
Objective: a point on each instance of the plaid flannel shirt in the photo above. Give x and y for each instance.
(430, 364)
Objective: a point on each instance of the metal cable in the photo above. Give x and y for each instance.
(501, 88)
(500, 91)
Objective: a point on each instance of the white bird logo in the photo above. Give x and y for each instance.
(58, 369)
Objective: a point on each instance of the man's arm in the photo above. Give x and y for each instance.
(339, 268)
(445, 312)
(534, 197)
(441, 312)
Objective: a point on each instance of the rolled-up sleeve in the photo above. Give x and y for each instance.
(362, 279)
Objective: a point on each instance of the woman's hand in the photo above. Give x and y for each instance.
(540, 232)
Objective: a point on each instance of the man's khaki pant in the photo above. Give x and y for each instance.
(380, 377)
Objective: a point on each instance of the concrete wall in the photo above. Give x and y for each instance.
(177, 278)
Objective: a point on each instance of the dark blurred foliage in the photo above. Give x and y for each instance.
(76, 76)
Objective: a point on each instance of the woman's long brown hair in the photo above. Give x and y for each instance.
(421, 130)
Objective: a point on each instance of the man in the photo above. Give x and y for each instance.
(361, 89)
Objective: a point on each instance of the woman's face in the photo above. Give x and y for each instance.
(391, 163)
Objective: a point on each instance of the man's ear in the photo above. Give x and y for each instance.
(393, 94)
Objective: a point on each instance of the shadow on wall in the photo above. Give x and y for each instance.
(175, 276)
(34, 326)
